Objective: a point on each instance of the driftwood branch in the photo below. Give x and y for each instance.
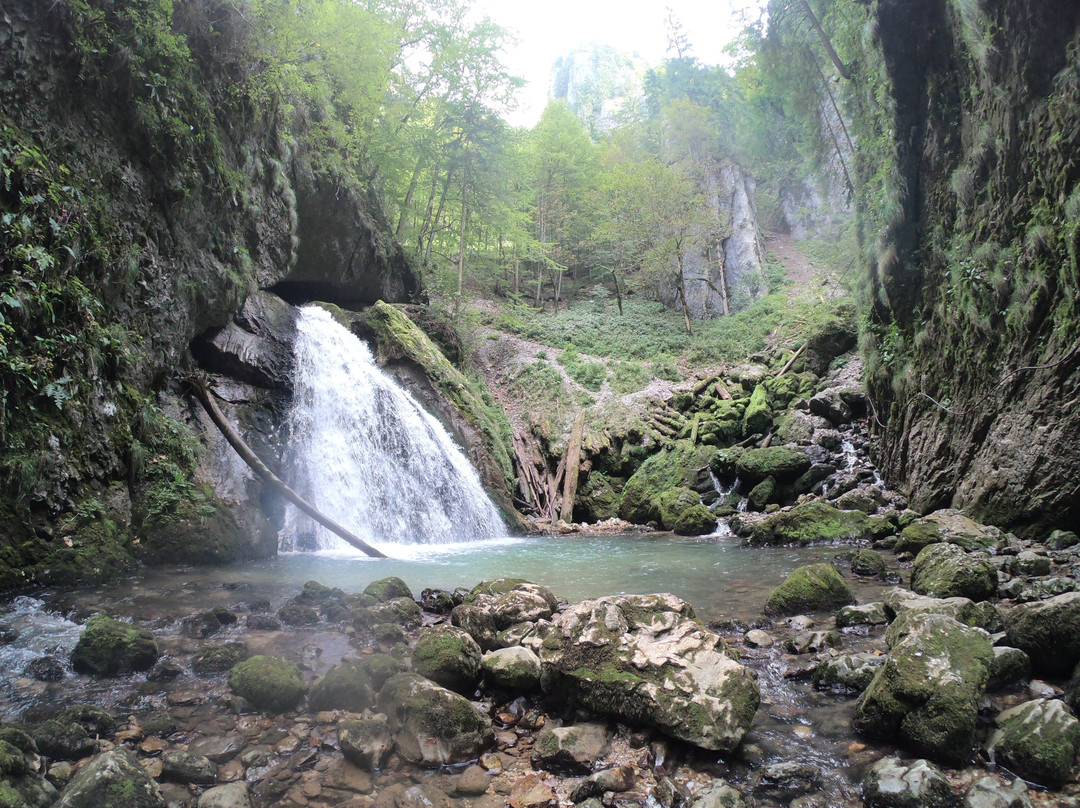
(255, 464)
(791, 361)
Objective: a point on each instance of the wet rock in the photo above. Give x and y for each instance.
(719, 794)
(63, 740)
(431, 725)
(1030, 563)
(390, 588)
(530, 635)
(1044, 589)
(366, 742)
(216, 748)
(946, 570)
(927, 693)
(44, 669)
(894, 783)
(112, 773)
(646, 659)
(297, 614)
(784, 781)
(514, 668)
(474, 781)
(571, 749)
(531, 792)
(812, 642)
(867, 563)
(262, 622)
(1038, 740)
(781, 463)
(987, 792)
(1048, 631)
(868, 614)
(850, 672)
(397, 612)
(346, 686)
(479, 623)
(696, 520)
(220, 658)
(1062, 539)
(437, 601)
(829, 404)
(269, 683)
(670, 794)
(811, 523)
(21, 783)
(813, 587)
(448, 656)
(186, 767)
(405, 795)
(904, 604)
(616, 780)
(857, 500)
(108, 647)
(756, 638)
(233, 795)
(1009, 666)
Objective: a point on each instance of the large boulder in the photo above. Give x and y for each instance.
(947, 526)
(672, 467)
(448, 656)
(902, 604)
(810, 588)
(366, 742)
(269, 683)
(647, 659)
(571, 749)
(112, 778)
(926, 695)
(512, 600)
(811, 523)
(514, 668)
(22, 781)
(779, 462)
(433, 726)
(1048, 631)
(1038, 740)
(108, 647)
(946, 571)
(346, 686)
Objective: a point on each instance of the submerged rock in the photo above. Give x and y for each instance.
(346, 686)
(813, 587)
(926, 695)
(108, 647)
(366, 742)
(572, 749)
(645, 658)
(987, 792)
(850, 672)
(269, 683)
(433, 726)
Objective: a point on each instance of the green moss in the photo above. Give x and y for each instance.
(811, 523)
(388, 589)
(494, 586)
(219, 658)
(448, 656)
(697, 520)
(269, 683)
(759, 416)
(917, 535)
(673, 467)
(814, 587)
(779, 462)
(761, 494)
(347, 686)
(108, 647)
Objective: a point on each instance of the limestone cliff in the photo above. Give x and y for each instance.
(149, 181)
(974, 339)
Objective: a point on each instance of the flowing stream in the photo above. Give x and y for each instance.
(368, 456)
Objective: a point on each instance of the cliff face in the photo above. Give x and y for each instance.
(150, 182)
(974, 339)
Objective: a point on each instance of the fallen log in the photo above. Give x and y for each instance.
(255, 464)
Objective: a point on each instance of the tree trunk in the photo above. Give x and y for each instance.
(723, 276)
(437, 217)
(461, 243)
(573, 463)
(841, 68)
(407, 203)
(618, 291)
(682, 295)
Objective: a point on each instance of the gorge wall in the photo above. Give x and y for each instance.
(150, 180)
(973, 344)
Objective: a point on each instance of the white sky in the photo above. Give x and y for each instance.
(548, 29)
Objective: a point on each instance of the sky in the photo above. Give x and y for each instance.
(548, 29)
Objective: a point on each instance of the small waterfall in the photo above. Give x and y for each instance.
(367, 455)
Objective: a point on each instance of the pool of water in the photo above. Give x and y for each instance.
(720, 577)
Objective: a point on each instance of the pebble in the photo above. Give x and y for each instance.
(756, 638)
(152, 746)
(184, 698)
(473, 781)
(287, 745)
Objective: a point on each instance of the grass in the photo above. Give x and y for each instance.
(650, 333)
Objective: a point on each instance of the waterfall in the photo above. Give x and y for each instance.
(363, 452)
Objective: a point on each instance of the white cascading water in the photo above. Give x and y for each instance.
(368, 456)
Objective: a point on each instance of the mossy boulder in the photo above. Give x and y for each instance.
(108, 647)
(403, 612)
(192, 530)
(947, 571)
(388, 588)
(672, 467)
(515, 668)
(111, 778)
(269, 683)
(346, 686)
(950, 526)
(851, 673)
(673, 503)
(1038, 740)
(759, 415)
(902, 604)
(219, 658)
(782, 463)
(1049, 632)
(811, 523)
(598, 498)
(448, 656)
(926, 695)
(63, 739)
(366, 742)
(810, 588)
(895, 783)
(761, 494)
(512, 600)
(796, 427)
(697, 520)
(479, 623)
(612, 655)
(574, 749)
(433, 726)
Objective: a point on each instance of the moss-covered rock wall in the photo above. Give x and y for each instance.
(972, 214)
(150, 179)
